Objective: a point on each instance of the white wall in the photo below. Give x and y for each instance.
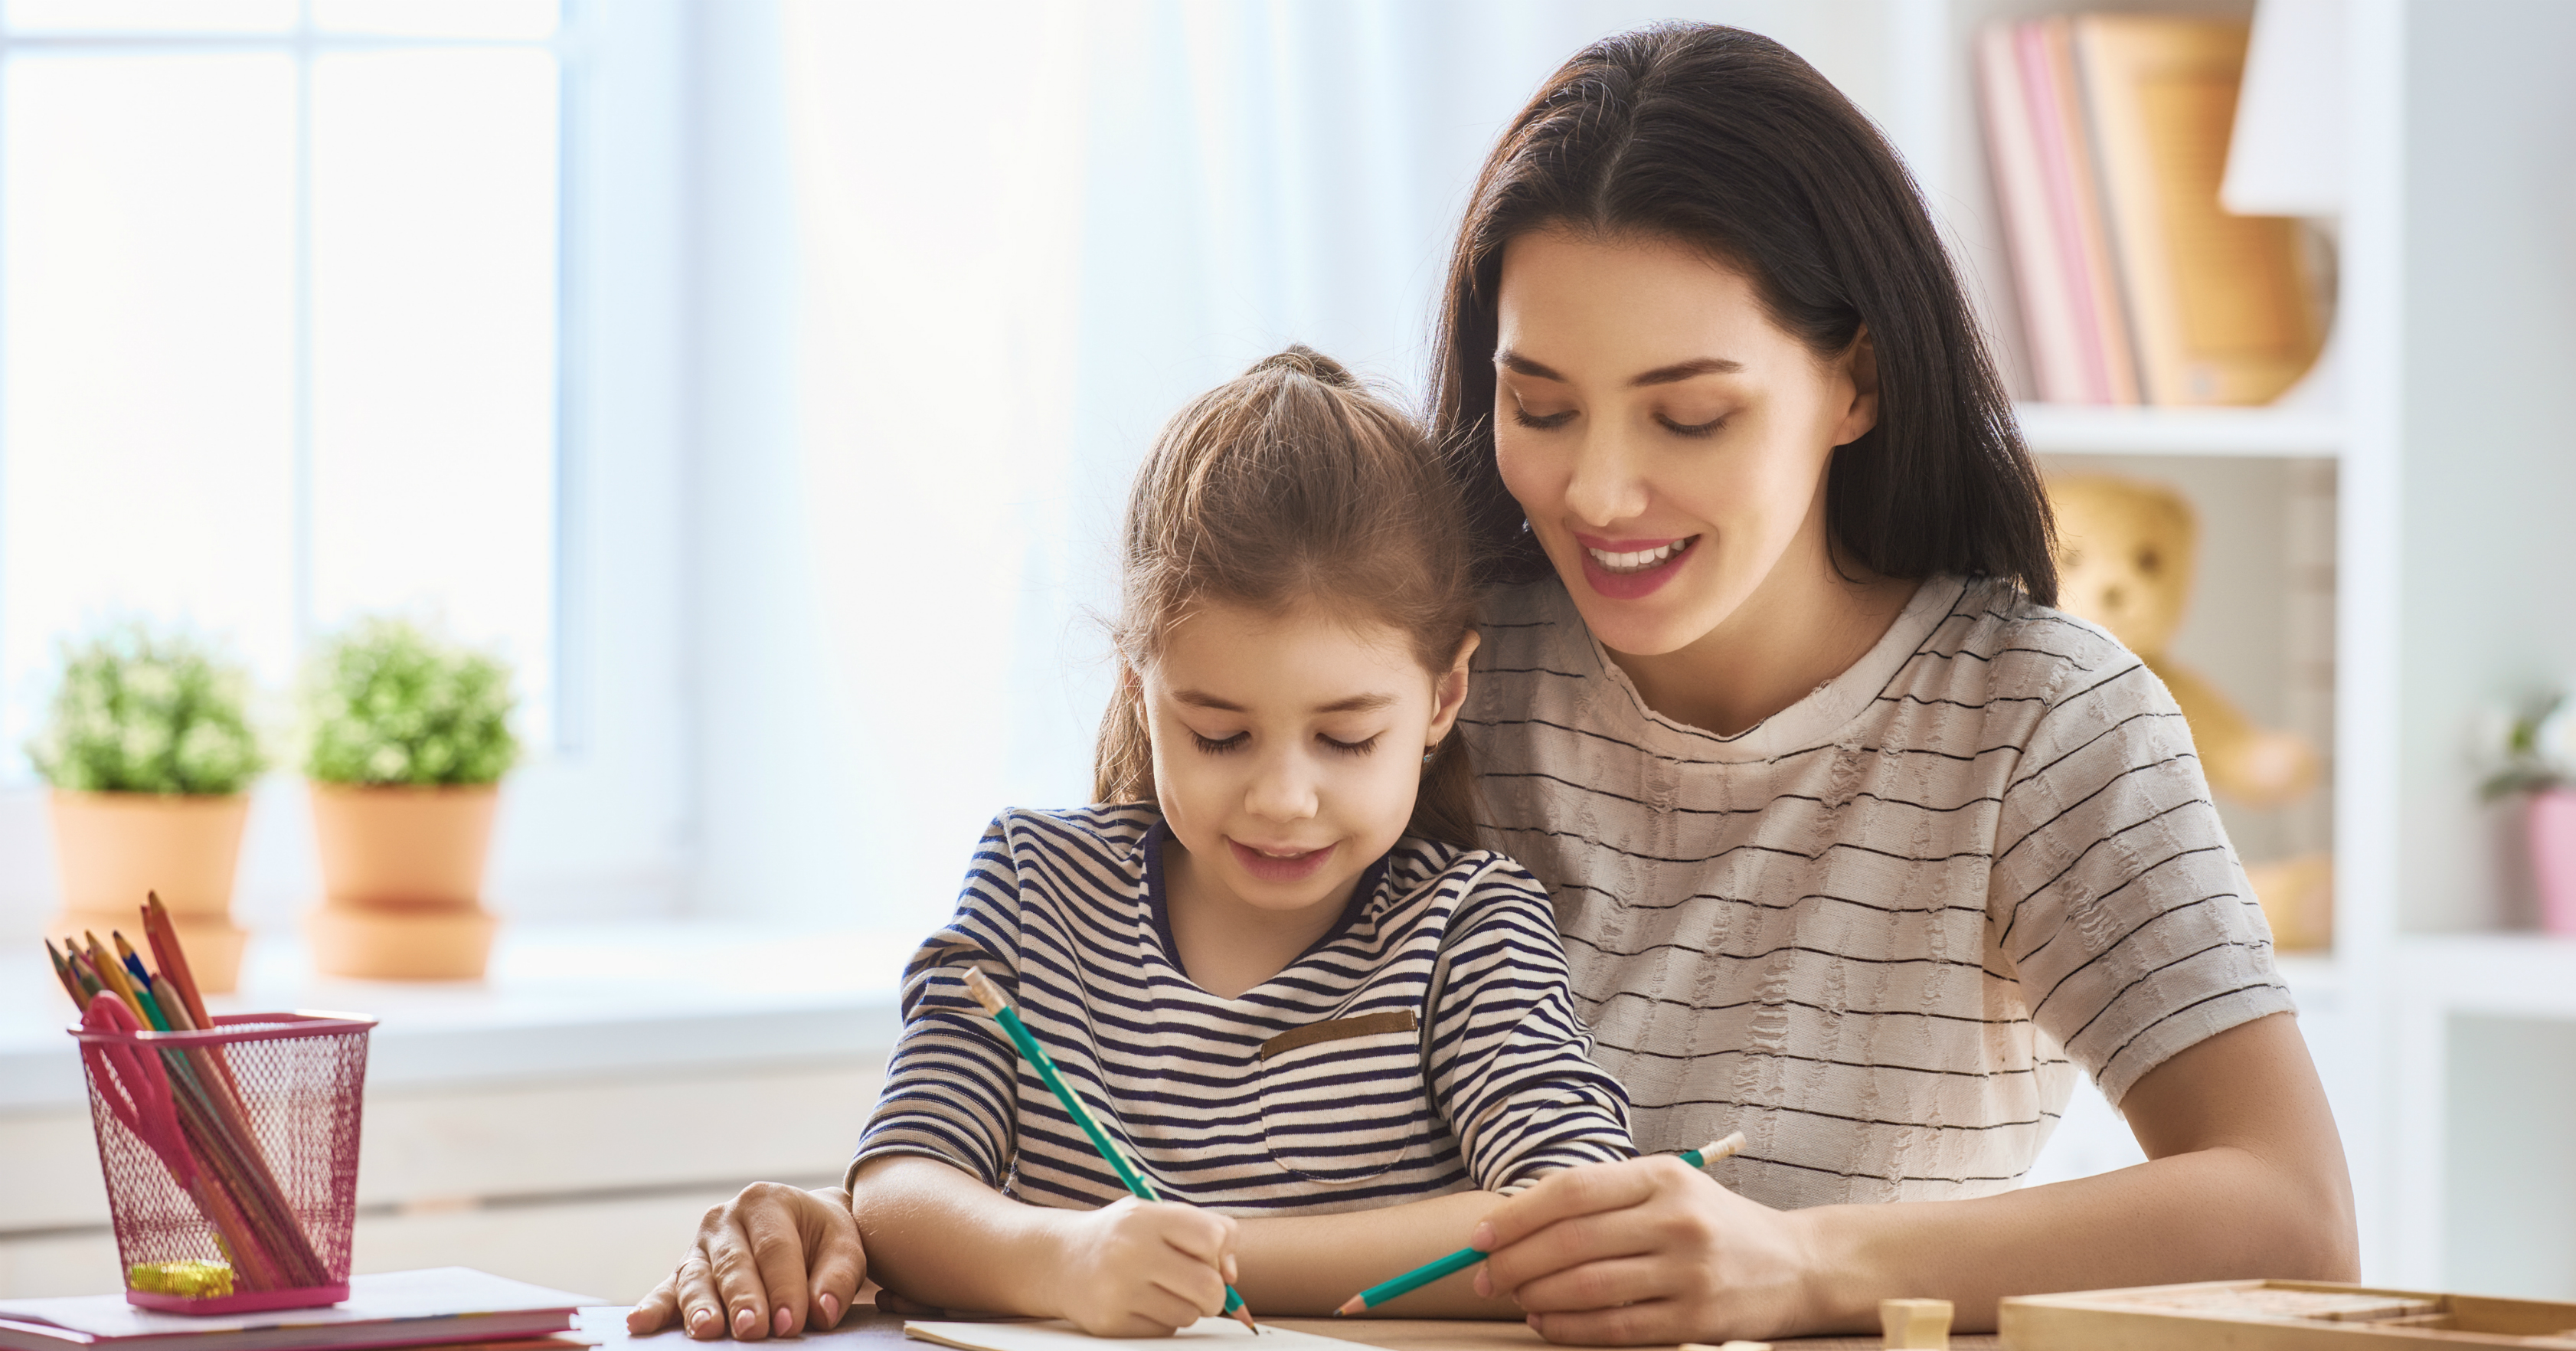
(2490, 451)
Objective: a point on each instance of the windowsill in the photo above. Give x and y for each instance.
(563, 1001)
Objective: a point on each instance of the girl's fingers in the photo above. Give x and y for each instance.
(1563, 1195)
(767, 1217)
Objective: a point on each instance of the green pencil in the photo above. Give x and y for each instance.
(990, 996)
(1464, 1258)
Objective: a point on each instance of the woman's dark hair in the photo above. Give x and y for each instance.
(1293, 484)
(1727, 141)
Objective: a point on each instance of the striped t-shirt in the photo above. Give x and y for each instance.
(1329, 1087)
(1879, 931)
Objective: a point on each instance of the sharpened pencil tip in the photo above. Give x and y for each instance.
(1243, 1314)
(1354, 1305)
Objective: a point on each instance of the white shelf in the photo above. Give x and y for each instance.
(2513, 975)
(2085, 429)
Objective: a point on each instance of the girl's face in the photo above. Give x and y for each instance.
(1288, 748)
(1667, 440)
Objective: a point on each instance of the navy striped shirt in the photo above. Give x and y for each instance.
(1329, 1087)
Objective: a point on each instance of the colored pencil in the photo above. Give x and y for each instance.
(63, 972)
(1464, 1258)
(990, 996)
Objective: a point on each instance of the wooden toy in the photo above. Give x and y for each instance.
(1915, 1324)
(2278, 1316)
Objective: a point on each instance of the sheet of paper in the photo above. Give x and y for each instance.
(1056, 1335)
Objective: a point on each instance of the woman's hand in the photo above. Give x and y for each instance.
(771, 1261)
(1648, 1250)
(1142, 1268)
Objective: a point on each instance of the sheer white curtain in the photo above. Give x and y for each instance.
(1016, 237)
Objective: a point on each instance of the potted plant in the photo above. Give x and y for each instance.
(2539, 762)
(149, 748)
(408, 736)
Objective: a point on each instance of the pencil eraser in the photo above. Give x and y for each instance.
(1915, 1324)
(1727, 1346)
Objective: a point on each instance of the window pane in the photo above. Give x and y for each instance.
(439, 18)
(178, 16)
(434, 345)
(146, 313)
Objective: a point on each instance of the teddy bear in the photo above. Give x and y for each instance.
(2126, 550)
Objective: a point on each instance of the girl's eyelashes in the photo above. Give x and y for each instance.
(1215, 747)
(1349, 747)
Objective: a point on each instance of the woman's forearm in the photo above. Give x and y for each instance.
(939, 1237)
(1307, 1265)
(2246, 1177)
(2201, 1216)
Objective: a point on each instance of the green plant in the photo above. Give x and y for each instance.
(386, 703)
(2532, 752)
(141, 710)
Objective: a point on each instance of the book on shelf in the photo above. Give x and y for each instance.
(442, 1307)
(2107, 135)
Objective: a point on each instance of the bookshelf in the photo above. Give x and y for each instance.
(2418, 955)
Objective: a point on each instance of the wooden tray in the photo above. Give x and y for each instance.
(2278, 1316)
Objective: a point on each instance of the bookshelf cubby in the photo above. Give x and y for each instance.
(2418, 971)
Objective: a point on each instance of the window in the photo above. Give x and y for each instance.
(279, 334)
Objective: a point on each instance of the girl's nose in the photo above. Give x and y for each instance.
(1606, 487)
(1282, 789)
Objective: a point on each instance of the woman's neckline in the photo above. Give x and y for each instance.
(1812, 718)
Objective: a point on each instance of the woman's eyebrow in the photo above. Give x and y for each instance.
(1357, 703)
(1661, 375)
(1684, 370)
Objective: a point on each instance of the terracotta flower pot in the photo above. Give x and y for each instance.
(112, 849)
(402, 882)
(2549, 819)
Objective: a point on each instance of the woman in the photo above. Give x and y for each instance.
(1855, 845)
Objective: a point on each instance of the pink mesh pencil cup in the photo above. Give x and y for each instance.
(231, 1154)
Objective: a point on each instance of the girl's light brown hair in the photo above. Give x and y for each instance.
(1293, 484)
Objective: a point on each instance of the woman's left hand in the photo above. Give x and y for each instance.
(1644, 1251)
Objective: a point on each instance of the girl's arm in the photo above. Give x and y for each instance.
(2246, 1176)
(1305, 1266)
(1133, 1269)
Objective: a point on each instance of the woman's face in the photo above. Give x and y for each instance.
(1666, 439)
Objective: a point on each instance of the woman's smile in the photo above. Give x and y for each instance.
(1625, 569)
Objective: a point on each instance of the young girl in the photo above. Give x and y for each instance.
(1281, 969)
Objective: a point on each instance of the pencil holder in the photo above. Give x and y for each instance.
(231, 1156)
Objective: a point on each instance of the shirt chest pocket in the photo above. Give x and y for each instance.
(1341, 1100)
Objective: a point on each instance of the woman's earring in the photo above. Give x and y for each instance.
(1525, 525)
(1430, 755)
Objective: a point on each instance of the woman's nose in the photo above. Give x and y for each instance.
(1606, 487)
(1282, 789)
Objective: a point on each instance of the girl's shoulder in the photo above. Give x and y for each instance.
(1102, 830)
(1465, 882)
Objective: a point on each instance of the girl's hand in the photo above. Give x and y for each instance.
(1143, 1268)
(1643, 1251)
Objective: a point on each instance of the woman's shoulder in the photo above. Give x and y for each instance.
(1998, 644)
(1526, 617)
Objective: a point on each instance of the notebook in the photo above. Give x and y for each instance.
(399, 1308)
